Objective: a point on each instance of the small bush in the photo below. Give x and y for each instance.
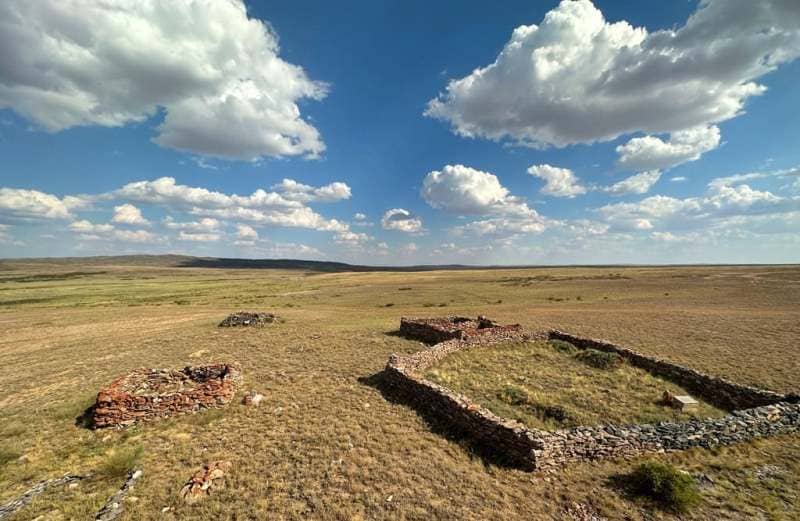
(563, 346)
(599, 359)
(121, 461)
(671, 488)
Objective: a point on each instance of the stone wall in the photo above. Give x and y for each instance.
(608, 441)
(435, 330)
(718, 391)
(765, 413)
(148, 394)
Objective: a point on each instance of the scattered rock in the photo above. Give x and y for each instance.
(252, 398)
(768, 472)
(703, 481)
(115, 506)
(248, 319)
(582, 512)
(204, 481)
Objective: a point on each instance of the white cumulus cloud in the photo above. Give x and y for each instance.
(559, 182)
(129, 214)
(33, 204)
(577, 78)
(460, 189)
(401, 220)
(635, 184)
(294, 191)
(215, 72)
(651, 153)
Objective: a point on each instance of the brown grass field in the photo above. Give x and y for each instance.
(325, 443)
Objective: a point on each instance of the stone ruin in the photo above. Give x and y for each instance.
(755, 412)
(149, 394)
(248, 319)
(435, 330)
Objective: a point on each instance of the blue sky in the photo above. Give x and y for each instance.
(402, 132)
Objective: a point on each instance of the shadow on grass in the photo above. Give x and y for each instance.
(396, 333)
(439, 425)
(85, 420)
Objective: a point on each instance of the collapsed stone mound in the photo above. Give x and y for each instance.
(149, 394)
(247, 319)
(435, 330)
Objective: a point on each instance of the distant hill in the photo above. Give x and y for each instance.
(185, 261)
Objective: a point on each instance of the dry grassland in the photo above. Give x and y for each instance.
(325, 443)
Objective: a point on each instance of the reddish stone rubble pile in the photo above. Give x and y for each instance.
(205, 480)
(247, 319)
(148, 394)
(435, 330)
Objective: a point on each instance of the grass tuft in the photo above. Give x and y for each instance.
(669, 487)
(121, 461)
(563, 346)
(599, 359)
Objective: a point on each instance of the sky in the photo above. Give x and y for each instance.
(402, 132)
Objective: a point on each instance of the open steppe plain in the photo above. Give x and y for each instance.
(326, 443)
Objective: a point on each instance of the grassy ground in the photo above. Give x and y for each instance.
(325, 443)
(549, 388)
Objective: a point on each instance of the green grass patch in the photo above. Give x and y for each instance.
(599, 359)
(669, 487)
(551, 386)
(120, 461)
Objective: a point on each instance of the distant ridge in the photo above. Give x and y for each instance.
(186, 261)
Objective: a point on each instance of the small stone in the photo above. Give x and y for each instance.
(252, 398)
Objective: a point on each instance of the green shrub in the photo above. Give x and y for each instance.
(671, 488)
(121, 461)
(563, 346)
(599, 359)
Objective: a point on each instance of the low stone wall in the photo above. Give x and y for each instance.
(718, 391)
(148, 394)
(442, 329)
(608, 441)
(531, 449)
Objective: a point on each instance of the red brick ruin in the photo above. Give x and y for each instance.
(149, 394)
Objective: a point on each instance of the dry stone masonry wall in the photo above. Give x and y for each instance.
(757, 412)
(148, 394)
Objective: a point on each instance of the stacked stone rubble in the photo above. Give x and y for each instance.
(148, 394)
(248, 319)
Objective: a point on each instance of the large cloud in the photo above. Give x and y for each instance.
(576, 78)
(651, 153)
(215, 72)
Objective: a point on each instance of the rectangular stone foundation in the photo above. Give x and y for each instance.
(764, 413)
